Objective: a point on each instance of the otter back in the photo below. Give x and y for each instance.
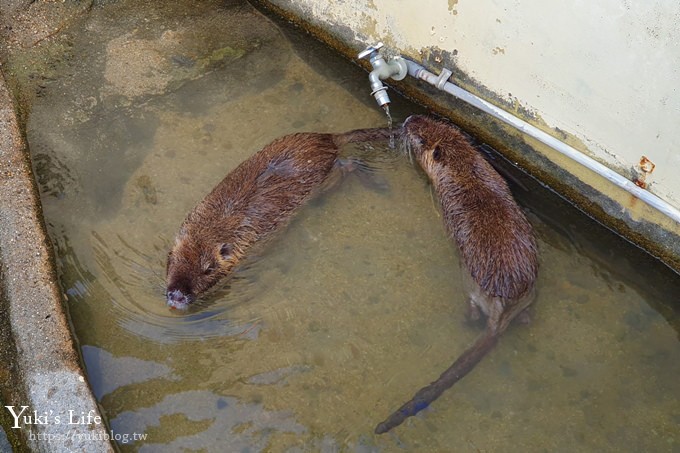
(253, 201)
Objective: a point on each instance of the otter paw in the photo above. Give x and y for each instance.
(473, 314)
(524, 317)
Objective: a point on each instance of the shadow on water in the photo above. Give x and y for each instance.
(354, 305)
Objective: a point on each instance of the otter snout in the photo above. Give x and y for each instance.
(178, 300)
(409, 119)
(412, 128)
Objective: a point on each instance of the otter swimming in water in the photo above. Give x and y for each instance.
(496, 243)
(254, 200)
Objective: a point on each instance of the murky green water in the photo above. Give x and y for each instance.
(353, 307)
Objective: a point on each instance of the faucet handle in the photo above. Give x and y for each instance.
(369, 50)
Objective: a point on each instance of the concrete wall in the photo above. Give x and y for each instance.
(605, 72)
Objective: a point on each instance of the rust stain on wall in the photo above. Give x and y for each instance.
(642, 172)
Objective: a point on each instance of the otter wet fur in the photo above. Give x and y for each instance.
(496, 243)
(254, 200)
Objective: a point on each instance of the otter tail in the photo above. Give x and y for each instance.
(462, 366)
(363, 135)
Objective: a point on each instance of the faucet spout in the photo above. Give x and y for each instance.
(395, 69)
(378, 89)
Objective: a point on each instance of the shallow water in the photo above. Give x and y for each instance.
(5, 447)
(352, 308)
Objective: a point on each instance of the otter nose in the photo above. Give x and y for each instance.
(178, 300)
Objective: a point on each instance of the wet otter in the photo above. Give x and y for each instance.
(496, 242)
(253, 201)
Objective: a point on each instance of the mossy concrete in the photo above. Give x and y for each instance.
(39, 364)
(45, 372)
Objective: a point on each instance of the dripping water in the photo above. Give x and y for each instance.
(386, 107)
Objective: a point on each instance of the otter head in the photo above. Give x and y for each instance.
(194, 266)
(427, 140)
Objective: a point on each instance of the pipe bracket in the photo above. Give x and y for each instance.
(443, 78)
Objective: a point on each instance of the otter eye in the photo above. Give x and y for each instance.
(437, 154)
(209, 270)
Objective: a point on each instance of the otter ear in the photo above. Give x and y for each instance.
(225, 251)
(437, 154)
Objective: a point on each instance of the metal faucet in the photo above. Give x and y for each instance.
(395, 68)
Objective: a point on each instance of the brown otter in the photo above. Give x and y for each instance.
(253, 201)
(496, 242)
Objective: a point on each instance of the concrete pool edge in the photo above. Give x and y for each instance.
(46, 375)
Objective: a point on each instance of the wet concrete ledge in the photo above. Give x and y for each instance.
(45, 373)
